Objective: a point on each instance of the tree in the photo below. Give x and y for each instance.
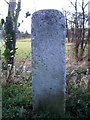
(89, 38)
(79, 21)
(10, 31)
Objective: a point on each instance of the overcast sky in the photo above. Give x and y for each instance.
(34, 5)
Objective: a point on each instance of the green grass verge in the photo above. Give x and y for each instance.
(24, 49)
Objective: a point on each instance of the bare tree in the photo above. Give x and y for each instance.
(66, 20)
(79, 21)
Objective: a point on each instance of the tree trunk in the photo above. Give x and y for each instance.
(83, 33)
(11, 29)
(89, 50)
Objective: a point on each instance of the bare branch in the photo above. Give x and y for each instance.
(71, 3)
(18, 9)
(86, 4)
(17, 12)
(6, 2)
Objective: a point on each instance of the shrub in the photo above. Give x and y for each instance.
(16, 101)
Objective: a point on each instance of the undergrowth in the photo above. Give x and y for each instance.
(17, 102)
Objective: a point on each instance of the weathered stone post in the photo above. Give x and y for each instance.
(48, 61)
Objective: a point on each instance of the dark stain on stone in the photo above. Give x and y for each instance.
(47, 17)
(50, 88)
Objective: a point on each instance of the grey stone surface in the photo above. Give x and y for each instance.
(48, 61)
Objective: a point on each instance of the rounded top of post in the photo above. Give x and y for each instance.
(48, 20)
(53, 11)
(48, 15)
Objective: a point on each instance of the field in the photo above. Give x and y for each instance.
(24, 49)
(23, 54)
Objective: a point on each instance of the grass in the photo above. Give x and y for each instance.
(24, 49)
(68, 50)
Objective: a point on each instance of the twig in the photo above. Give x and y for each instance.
(24, 61)
(6, 2)
(71, 3)
(86, 4)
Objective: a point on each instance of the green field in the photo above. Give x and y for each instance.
(23, 48)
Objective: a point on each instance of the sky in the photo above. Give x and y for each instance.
(34, 5)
